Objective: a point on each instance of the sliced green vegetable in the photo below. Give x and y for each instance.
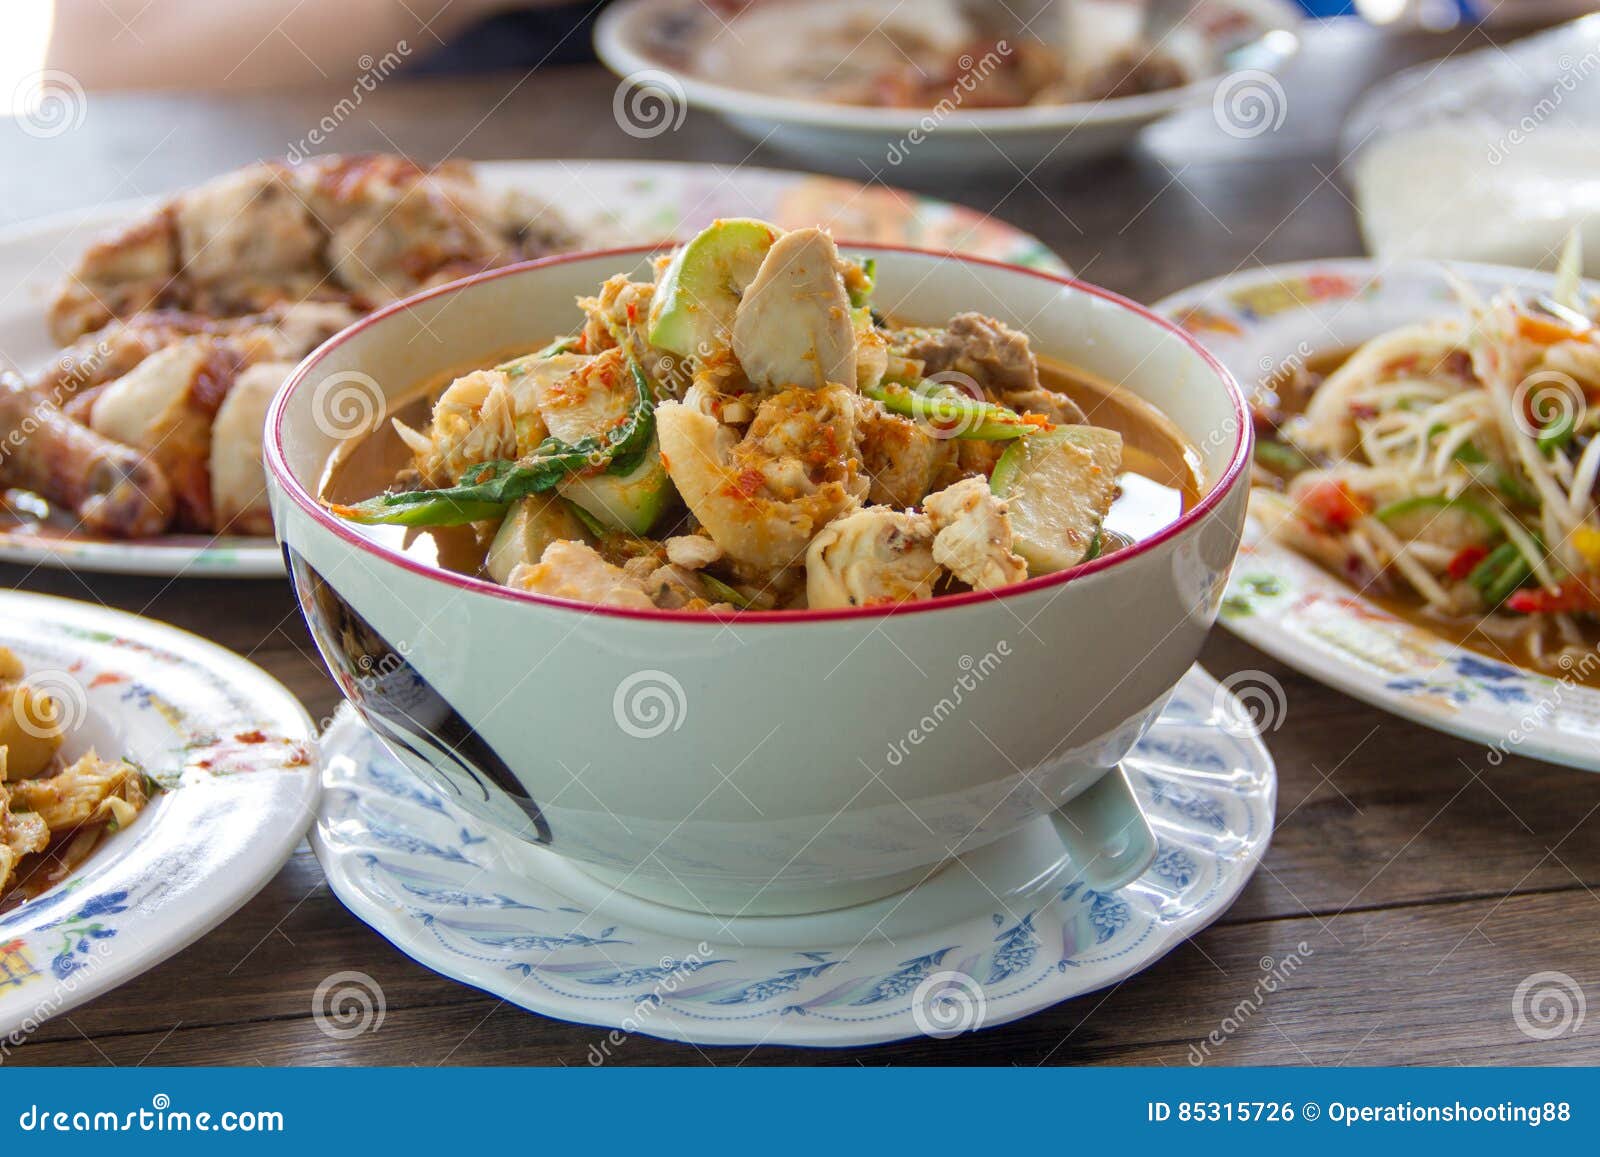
(1493, 477)
(590, 523)
(1508, 580)
(631, 502)
(724, 592)
(694, 303)
(1280, 457)
(485, 490)
(1438, 502)
(531, 524)
(1491, 565)
(952, 412)
(1059, 484)
(516, 367)
(1501, 572)
(1557, 434)
(860, 296)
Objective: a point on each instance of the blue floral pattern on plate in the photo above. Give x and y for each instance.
(505, 917)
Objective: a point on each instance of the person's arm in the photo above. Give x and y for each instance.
(246, 43)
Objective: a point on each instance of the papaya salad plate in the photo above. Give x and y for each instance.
(150, 784)
(1423, 530)
(142, 341)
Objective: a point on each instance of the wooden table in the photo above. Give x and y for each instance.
(1425, 883)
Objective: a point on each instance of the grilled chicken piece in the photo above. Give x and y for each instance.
(247, 239)
(284, 333)
(363, 230)
(112, 489)
(793, 325)
(238, 481)
(119, 276)
(403, 239)
(256, 267)
(94, 396)
(164, 408)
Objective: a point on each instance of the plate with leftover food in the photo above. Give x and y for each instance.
(1424, 531)
(150, 783)
(1012, 931)
(921, 86)
(150, 336)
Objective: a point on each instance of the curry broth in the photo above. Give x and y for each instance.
(1161, 471)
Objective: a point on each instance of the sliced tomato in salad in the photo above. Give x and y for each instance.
(1466, 561)
(1572, 596)
(1333, 504)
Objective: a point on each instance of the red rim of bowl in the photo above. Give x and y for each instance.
(277, 465)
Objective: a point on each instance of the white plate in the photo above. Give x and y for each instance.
(240, 753)
(647, 43)
(1004, 934)
(609, 202)
(1259, 321)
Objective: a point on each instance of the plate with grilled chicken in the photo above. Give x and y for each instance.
(149, 337)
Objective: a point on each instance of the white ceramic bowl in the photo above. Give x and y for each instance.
(649, 43)
(768, 762)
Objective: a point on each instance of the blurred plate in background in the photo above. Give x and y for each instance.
(677, 52)
(608, 203)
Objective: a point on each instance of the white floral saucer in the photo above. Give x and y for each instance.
(1259, 321)
(999, 934)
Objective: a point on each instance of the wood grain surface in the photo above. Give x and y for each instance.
(1422, 883)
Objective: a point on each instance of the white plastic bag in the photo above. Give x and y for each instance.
(1491, 156)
